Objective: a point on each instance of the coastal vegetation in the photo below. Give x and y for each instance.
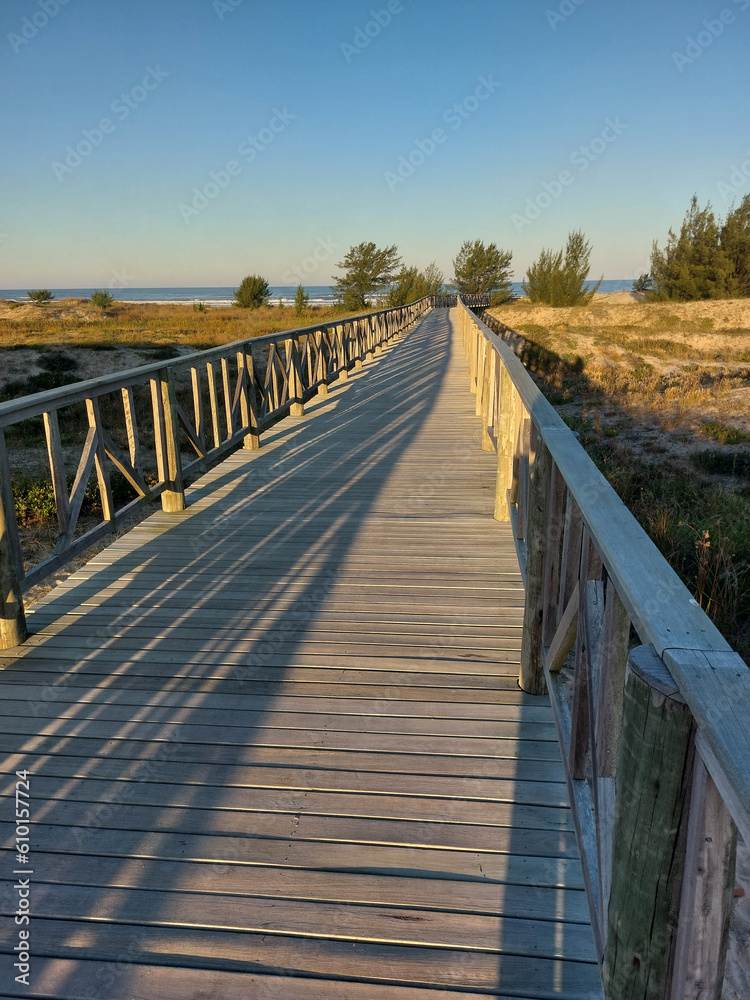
(40, 296)
(558, 278)
(102, 299)
(483, 270)
(660, 396)
(367, 269)
(252, 293)
(709, 259)
(76, 323)
(412, 284)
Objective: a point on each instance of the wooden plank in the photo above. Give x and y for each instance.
(335, 957)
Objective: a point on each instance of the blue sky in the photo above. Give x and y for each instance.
(328, 122)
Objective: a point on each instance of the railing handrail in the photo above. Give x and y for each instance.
(14, 410)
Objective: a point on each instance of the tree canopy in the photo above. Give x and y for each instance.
(367, 269)
(413, 284)
(558, 278)
(483, 270)
(693, 265)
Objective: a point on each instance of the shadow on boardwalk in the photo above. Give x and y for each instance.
(280, 734)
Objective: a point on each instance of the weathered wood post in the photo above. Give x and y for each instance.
(342, 352)
(488, 372)
(531, 678)
(13, 630)
(322, 344)
(248, 400)
(296, 405)
(504, 446)
(168, 455)
(653, 783)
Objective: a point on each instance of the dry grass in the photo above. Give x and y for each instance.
(76, 323)
(660, 394)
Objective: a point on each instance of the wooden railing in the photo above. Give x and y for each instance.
(142, 422)
(450, 300)
(654, 726)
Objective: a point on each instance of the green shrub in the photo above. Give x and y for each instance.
(301, 300)
(252, 293)
(40, 296)
(559, 279)
(102, 299)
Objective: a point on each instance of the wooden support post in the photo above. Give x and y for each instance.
(571, 553)
(706, 904)
(173, 497)
(214, 402)
(248, 400)
(504, 446)
(57, 468)
(487, 373)
(531, 678)
(481, 359)
(323, 343)
(552, 554)
(524, 477)
(654, 776)
(296, 406)
(13, 630)
(100, 460)
(342, 354)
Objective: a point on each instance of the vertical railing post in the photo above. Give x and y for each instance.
(488, 372)
(653, 790)
(504, 446)
(531, 677)
(13, 630)
(296, 405)
(168, 444)
(248, 400)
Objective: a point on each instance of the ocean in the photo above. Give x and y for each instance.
(223, 296)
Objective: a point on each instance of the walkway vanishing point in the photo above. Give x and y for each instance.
(285, 738)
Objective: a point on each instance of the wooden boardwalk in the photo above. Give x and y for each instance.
(276, 745)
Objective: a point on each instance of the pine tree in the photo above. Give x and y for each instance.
(301, 300)
(693, 265)
(559, 279)
(735, 241)
(483, 270)
(413, 284)
(367, 269)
